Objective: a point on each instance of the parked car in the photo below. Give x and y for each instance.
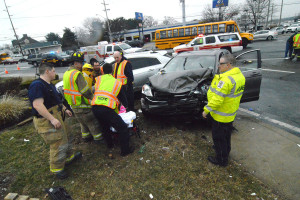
(59, 60)
(293, 28)
(135, 43)
(230, 41)
(265, 35)
(34, 59)
(144, 64)
(279, 30)
(181, 86)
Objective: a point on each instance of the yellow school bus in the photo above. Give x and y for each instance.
(4, 57)
(171, 37)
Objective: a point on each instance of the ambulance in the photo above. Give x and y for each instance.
(104, 50)
(230, 41)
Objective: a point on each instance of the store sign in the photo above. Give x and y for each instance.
(220, 3)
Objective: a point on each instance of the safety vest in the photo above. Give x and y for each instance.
(296, 40)
(224, 95)
(107, 89)
(120, 73)
(71, 92)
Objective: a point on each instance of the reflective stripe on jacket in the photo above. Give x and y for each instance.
(224, 95)
(107, 89)
(296, 40)
(71, 92)
(121, 72)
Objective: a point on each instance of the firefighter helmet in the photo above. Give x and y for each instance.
(87, 66)
(77, 57)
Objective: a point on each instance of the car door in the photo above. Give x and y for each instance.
(249, 63)
(143, 67)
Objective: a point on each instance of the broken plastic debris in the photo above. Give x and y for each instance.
(253, 194)
(147, 161)
(140, 110)
(253, 128)
(165, 148)
(25, 140)
(11, 138)
(141, 158)
(151, 196)
(251, 109)
(298, 145)
(230, 176)
(142, 149)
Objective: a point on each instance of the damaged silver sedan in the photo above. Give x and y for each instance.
(181, 86)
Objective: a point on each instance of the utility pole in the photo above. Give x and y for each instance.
(272, 14)
(13, 29)
(280, 13)
(268, 13)
(183, 12)
(109, 32)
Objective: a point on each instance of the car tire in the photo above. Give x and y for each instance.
(60, 64)
(269, 37)
(245, 43)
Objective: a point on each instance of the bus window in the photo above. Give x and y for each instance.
(221, 28)
(157, 36)
(188, 31)
(169, 33)
(194, 31)
(162, 34)
(175, 33)
(230, 28)
(208, 29)
(181, 32)
(200, 29)
(215, 28)
(236, 29)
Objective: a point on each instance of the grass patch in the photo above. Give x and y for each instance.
(172, 165)
(10, 85)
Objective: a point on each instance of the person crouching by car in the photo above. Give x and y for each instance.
(47, 110)
(109, 92)
(224, 97)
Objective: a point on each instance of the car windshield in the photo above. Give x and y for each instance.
(188, 62)
(294, 25)
(125, 46)
(62, 54)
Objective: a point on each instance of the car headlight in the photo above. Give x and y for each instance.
(146, 90)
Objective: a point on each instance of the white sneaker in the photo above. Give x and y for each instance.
(286, 58)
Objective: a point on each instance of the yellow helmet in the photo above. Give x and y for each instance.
(87, 66)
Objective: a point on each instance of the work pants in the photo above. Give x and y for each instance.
(297, 53)
(130, 96)
(221, 134)
(288, 49)
(59, 140)
(88, 123)
(109, 118)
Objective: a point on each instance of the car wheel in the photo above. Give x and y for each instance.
(269, 37)
(35, 64)
(60, 64)
(245, 43)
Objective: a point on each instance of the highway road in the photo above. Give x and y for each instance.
(280, 88)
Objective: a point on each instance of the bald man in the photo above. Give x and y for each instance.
(123, 72)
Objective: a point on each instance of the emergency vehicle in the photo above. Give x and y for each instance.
(104, 50)
(230, 41)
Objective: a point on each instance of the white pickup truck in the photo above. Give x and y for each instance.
(230, 41)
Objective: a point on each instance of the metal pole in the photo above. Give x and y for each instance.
(280, 12)
(220, 10)
(14, 29)
(109, 32)
(183, 12)
(268, 13)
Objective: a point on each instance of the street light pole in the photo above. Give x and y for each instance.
(109, 32)
(280, 13)
(14, 29)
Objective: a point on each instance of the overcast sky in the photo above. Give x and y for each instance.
(36, 18)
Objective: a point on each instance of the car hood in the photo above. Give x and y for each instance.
(180, 47)
(132, 50)
(179, 82)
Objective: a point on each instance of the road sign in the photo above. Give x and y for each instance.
(220, 3)
(139, 16)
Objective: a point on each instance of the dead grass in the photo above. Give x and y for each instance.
(11, 108)
(172, 165)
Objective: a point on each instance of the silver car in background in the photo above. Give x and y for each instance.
(265, 35)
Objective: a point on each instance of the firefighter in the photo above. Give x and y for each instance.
(224, 97)
(47, 109)
(87, 71)
(78, 94)
(296, 46)
(123, 72)
(96, 66)
(109, 92)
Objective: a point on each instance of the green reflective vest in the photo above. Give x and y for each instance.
(107, 89)
(296, 40)
(224, 95)
(71, 92)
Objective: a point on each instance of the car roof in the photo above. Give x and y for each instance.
(213, 52)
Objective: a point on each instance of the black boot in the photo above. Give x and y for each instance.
(62, 175)
(214, 161)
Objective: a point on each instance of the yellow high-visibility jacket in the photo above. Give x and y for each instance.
(224, 95)
(296, 40)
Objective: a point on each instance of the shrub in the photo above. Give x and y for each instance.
(11, 109)
(25, 84)
(10, 85)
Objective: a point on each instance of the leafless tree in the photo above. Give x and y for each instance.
(149, 21)
(169, 20)
(91, 31)
(210, 14)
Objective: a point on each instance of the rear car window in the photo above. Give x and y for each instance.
(210, 40)
(226, 38)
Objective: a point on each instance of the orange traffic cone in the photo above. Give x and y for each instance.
(6, 72)
(18, 68)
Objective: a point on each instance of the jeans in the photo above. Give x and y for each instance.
(288, 49)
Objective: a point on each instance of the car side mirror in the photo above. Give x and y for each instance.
(192, 44)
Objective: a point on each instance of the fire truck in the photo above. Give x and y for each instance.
(104, 50)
